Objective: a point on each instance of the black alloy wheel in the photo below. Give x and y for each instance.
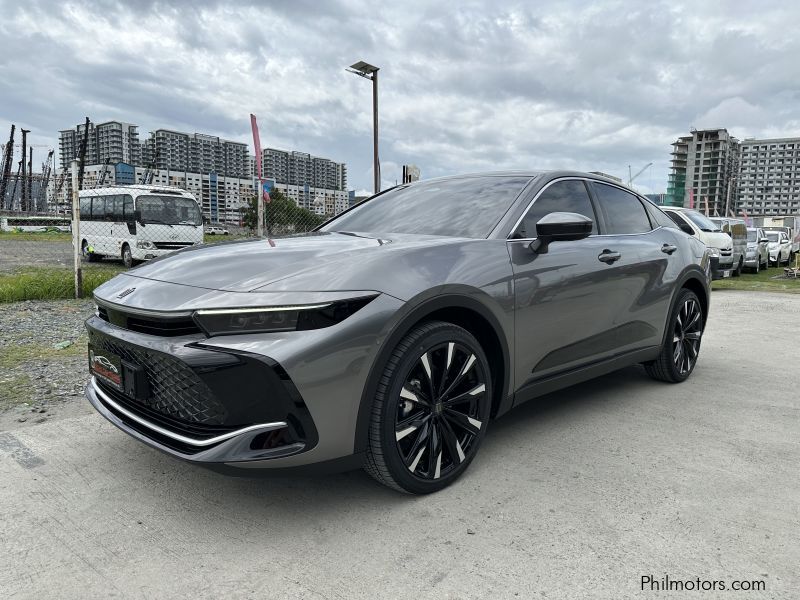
(429, 420)
(681, 346)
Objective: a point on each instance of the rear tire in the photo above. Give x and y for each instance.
(681, 347)
(423, 440)
(87, 255)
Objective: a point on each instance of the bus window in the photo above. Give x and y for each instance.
(127, 208)
(114, 208)
(86, 208)
(98, 208)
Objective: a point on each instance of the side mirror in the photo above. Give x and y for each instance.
(686, 228)
(560, 226)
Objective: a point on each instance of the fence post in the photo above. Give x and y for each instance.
(76, 232)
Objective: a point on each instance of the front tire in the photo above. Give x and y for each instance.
(431, 409)
(127, 256)
(681, 346)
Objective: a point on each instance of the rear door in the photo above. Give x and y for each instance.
(649, 264)
(565, 299)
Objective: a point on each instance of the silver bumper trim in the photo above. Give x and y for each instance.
(182, 438)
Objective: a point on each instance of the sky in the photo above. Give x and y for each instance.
(464, 86)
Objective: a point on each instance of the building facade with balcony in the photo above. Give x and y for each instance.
(769, 177)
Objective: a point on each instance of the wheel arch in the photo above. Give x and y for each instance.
(694, 281)
(464, 311)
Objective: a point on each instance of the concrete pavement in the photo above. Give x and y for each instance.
(578, 495)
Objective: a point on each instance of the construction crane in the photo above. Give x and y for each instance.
(147, 176)
(8, 160)
(639, 172)
(102, 179)
(46, 167)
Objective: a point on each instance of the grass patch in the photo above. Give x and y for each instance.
(759, 282)
(36, 236)
(13, 356)
(14, 391)
(45, 283)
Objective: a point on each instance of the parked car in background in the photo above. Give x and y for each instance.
(737, 229)
(789, 223)
(216, 230)
(780, 248)
(391, 336)
(757, 255)
(704, 229)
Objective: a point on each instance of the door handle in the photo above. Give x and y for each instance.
(668, 248)
(607, 256)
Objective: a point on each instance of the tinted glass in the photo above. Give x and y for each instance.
(172, 210)
(85, 207)
(98, 208)
(127, 208)
(562, 196)
(703, 222)
(751, 235)
(658, 217)
(466, 207)
(114, 208)
(623, 211)
(772, 236)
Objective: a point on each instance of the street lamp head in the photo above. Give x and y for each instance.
(363, 68)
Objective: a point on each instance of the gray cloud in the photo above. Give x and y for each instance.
(464, 86)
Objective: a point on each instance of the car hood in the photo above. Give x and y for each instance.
(715, 239)
(310, 262)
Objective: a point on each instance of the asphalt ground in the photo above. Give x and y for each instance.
(578, 495)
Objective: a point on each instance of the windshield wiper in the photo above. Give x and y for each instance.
(186, 223)
(159, 221)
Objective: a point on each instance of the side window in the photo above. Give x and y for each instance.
(98, 208)
(85, 208)
(127, 208)
(114, 208)
(658, 217)
(623, 211)
(562, 196)
(676, 218)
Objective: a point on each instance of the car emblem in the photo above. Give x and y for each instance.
(102, 362)
(127, 292)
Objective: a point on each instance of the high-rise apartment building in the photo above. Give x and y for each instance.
(114, 141)
(197, 152)
(703, 171)
(769, 177)
(302, 169)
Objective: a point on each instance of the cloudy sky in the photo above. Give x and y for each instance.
(464, 86)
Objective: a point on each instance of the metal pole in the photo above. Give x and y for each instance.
(728, 199)
(260, 207)
(23, 203)
(376, 166)
(76, 232)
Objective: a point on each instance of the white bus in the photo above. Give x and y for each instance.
(137, 222)
(36, 223)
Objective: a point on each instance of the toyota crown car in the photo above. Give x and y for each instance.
(393, 335)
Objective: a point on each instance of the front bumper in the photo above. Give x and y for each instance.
(721, 269)
(311, 381)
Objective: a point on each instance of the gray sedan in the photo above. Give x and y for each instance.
(393, 335)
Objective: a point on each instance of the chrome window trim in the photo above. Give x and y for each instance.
(177, 436)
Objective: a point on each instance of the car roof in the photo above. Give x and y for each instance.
(532, 174)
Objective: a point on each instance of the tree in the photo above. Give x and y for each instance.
(281, 216)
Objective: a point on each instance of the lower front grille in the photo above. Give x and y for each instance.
(175, 389)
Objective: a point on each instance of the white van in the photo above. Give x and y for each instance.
(704, 229)
(137, 222)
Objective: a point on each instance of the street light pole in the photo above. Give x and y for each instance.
(368, 71)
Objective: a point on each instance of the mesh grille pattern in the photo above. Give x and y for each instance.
(175, 390)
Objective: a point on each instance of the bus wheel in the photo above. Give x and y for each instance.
(127, 256)
(88, 252)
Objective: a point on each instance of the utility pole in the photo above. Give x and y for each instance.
(76, 232)
(82, 153)
(728, 199)
(30, 180)
(23, 199)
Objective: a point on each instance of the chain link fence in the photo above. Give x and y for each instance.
(120, 227)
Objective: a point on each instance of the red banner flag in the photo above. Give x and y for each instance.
(256, 145)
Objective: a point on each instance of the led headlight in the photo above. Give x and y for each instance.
(145, 245)
(231, 321)
(713, 252)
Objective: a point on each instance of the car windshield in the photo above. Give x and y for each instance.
(751, 235)
(172, 210)
(703, 223)
(464, 207)
(772, 236)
